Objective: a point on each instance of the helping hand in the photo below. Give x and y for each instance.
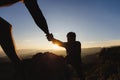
(50, 37)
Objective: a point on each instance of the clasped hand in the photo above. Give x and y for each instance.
(50, 37)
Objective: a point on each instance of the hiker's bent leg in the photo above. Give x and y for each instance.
(6, 41)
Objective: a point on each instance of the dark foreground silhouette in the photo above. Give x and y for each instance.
(42, 66)
(48, 66)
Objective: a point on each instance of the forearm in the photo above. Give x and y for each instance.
(4, 3)
(37, 15)
(58, 42)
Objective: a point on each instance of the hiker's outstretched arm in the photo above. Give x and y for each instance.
(58, 42)
(37, 15)
(4, 3)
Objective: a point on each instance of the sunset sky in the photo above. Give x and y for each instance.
(95, 22)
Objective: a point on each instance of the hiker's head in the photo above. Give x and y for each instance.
(71, 36)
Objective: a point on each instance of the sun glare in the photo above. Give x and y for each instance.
(55, 46)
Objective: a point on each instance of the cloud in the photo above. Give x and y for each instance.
(101, 44)
(28, 41)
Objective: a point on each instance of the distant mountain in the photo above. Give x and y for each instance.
(89, 51)
(105, 66)
(98, 63)
(28, 53)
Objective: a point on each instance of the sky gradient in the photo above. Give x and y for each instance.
(95, 22)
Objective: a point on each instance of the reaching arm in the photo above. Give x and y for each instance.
(58, 42)
(4, 3)
(37, 15)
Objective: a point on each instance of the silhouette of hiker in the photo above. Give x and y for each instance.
(73, 49)
(6, 39)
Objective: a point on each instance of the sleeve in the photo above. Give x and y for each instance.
(37, 15)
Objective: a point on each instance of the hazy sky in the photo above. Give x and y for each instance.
(96, 22)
